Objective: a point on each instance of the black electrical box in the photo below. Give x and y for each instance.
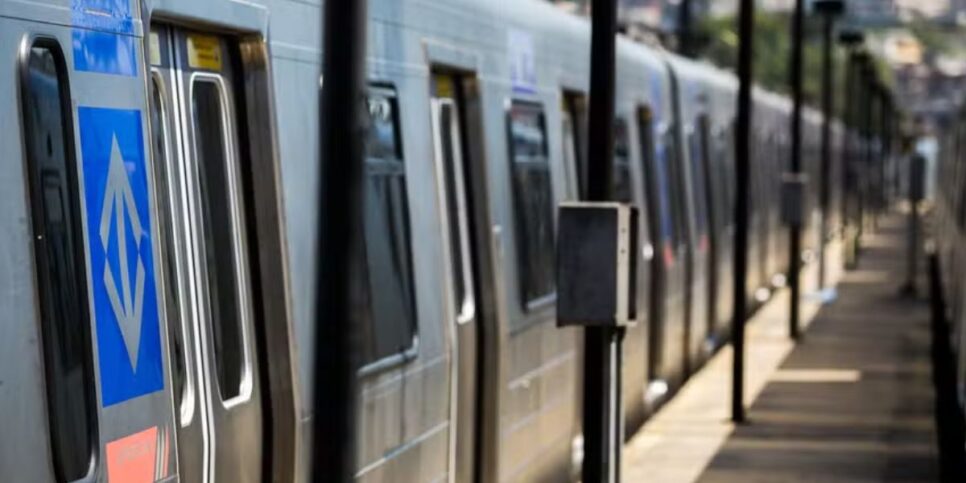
(793, 198)
(917, 178)
(597, 245)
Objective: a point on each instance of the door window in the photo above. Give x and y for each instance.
(532, 202)
(698, 150)
(623, 183)
(389, 323)
(575, 135)
(669, 177)
(449, 147)
(180, 378)
(61, 279)
(216, 179)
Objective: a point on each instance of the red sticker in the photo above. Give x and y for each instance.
(131, 458)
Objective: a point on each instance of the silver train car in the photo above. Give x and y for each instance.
(157, 243)
(949, 234)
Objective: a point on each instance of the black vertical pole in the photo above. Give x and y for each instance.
(601, 419)
(827, 101)
(847, 143)
(342, 131)
(861, 158)
(685, 29)
(742, 134)
(886, 146)
(851, 188)
(795, 229)
(875, 110)
(893, 140)
(869, 85)
(884, 142)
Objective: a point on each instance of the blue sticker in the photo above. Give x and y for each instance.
(122, 258)
(105, 15)
(523, 69)
(103, 37)
(104, 52)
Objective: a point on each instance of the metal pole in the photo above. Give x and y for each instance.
(850, 39)
(742, 134)
(342, 132)
(846, 153)
(869, 98)
(916, 187)
(877, 151)
(795, 229)
(890, 147)
(884, 113)
(861, 158)
(913, 248)
(602, 412)
(685, 29)
(854, 164)
(827, 106)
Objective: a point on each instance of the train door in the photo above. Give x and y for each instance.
(722, 176)
(707, 182)
(215, 370)
(449, 121)
(666, 326)
(694, 177)
(659, 221)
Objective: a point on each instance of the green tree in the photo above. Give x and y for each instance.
(773, 53)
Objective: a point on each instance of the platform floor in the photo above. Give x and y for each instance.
(852, 402)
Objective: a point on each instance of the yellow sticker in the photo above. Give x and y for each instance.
(444, 86)
(204, 52)
(154, 49)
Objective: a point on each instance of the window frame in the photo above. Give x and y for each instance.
(625, 160)
(404, 356)
(168, 171)
(543, 301)
(35, 196)
(243, 282)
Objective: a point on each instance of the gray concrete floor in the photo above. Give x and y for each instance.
(852, 402)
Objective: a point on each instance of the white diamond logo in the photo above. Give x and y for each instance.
(119, 207)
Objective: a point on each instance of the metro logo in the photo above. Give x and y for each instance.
(121, 255)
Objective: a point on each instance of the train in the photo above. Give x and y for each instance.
(158, 237)
(946, 229)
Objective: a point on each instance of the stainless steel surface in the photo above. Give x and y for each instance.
(413, 408)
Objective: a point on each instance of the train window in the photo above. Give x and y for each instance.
(671, 174)
(623, 184)
(657, 214)
(446, 139)
(215, 175)
(61, 278)
(173, 295)
(661, 185)
(447, 126)
(697, 141)
(731, 178)
(721, 162)
(389, 322)
(575, 135)
(533, 201)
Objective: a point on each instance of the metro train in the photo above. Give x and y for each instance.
(948, 234)
(157, 241)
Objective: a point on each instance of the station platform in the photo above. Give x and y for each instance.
(853, 401)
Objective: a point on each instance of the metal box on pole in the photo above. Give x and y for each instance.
(597, 264)
(917, 178)
(793, 199)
